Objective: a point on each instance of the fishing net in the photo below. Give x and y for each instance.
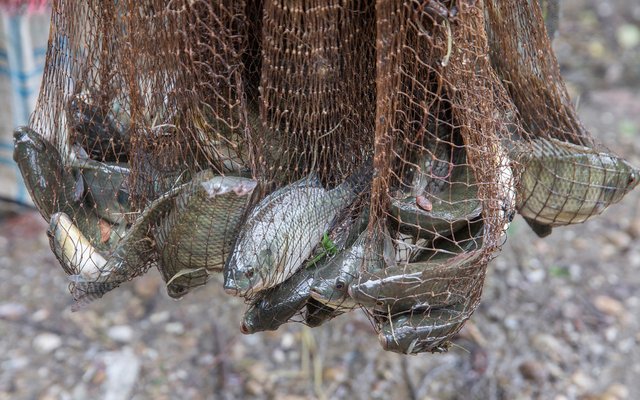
(321, 156)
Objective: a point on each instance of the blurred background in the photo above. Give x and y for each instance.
(559, 318)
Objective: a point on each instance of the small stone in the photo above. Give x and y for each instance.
(581, 380)
(609, 306)
(40, 315)
(611, 334)
(533, 371)
(122, 369)
(634, 228)
(616, 391)
(120, 333)
(159, 317)
(287, 341)
(46, 342)
(536, 275)
(174, 328)
(620, 239)
(12, 311)
(146, 287)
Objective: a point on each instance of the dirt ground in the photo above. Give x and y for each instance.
(559, 318)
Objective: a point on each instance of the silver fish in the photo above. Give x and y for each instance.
(282, 231)
(414, 333)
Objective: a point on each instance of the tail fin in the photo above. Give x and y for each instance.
(85, 292)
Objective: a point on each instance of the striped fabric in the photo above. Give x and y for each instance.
(24, 31)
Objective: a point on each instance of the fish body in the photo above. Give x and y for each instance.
(50, 186)
(195, 238)
(564, 184)
(439, 282)
(74, 251)
(106, 186)
(451, 208)
(282, 231)
(414, 333)
(136, 251)
(54, 189)
(317, 313)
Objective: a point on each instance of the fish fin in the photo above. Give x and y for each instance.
(184, 272)
(80, 189)
(540, 229)
(85, 292)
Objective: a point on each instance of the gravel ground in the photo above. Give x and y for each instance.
(559, 319)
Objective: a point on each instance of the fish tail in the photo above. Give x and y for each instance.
(85, 292)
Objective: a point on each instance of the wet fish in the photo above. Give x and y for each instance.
(54, 189)
(421, 332)
(105, 184)
(138, 249)
(50, 186)
(282, 231)
(440, 282)
(563, 183)
(195, 238)
(275, 306)
(74, 251)
(451, 208)
(317, 313)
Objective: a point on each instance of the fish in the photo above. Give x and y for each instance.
(54, 189)
(275, 306)
(93, 128)
(563, 183)
(450, 210)
(414, 333)
(50, 186)
(73, 250)
(317, 313)
(281, 232)
(137, 250)
(195, 238)
(106, 185)
(439, 282)
(333, 290)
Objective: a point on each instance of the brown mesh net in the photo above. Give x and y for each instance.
(322, 156)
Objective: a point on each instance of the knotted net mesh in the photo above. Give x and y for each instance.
(315, 156)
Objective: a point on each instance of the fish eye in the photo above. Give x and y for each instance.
(632, 179)
(339, 284)
(180, 289)
(249, 273)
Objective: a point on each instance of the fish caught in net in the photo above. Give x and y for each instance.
(320, 157)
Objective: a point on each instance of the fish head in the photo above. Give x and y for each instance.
(625, 178)
(247, 272)
(186, 280)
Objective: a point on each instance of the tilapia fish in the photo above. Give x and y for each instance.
(50, 186)
(195, 238)
(105, 184)
(440, 282)
(138, 248)
(281, 232)
(564, 184)
(54, 189)
(414, 333)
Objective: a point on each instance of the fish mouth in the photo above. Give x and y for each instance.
(231, 288)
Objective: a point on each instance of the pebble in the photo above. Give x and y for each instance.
(159, 317)
(536, 275)
(122, 372)
(609, 306)
(533, 371)
(287, 341)
(146, 287)
(616, 391)
(120, 333)
(46, 342)
(619, 238)
(581, 380)
(174, 328)
(12, 311)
